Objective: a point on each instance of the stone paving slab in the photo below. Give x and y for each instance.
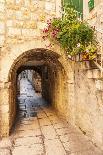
(63, 131)
(36, 149)
(73, 137)
(49, 132)
(54, 147)
(44, 122)
(5, 152)
(28, 133)
(88, 152)
(55, 120)
(28, 141)
(77, 146)
(34, 125)
(6, 143)
(41, 115)
(60, 125)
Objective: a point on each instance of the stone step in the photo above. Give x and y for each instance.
(94, 74)
(99, 84)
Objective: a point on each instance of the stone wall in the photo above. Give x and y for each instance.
(2, 22)
(37, 82)
(95, 16)
(22, 20)
(88, 105)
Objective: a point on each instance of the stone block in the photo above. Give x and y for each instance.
(34, 16)
(18, 1)
(34, 8)
(42, 17)
(25, 13)
(19, 15)
(41, 25)
(5, 119)
(5, 151)
(49, 6)
(9, 23)
(54, 146)
(26, 3)
(5, 143)
(5, 108)
(2, 27)
(12, 6)
(30, 25)
(96, 73)
(2, 16)
(29, 32)
(58, 8)
(8, 1)
(2, 7)
(34, 2)
(2, 1)
(2, 38)
(10, 14)
(5, 130)
(99, 84)
(93, 73)
(42, 5)
(89, 74)
(18, 24)
(14, 31)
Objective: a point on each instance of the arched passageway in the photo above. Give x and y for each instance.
(23, 75)
(57, 78)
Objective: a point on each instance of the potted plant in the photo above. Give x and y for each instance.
(73, 35)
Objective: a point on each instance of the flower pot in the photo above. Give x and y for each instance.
(85, 56)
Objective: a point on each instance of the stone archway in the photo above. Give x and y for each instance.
(14, 57)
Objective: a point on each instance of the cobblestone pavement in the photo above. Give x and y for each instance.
(40, 131)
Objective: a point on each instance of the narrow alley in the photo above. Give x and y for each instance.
(39, 130)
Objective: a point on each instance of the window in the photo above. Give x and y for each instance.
(91, 4)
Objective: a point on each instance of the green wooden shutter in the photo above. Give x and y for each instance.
(91, 4)
(78, 4)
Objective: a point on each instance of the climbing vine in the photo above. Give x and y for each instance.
(73, 35)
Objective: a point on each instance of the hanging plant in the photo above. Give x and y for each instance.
(73, 35)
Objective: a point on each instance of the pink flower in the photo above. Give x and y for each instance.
(45, 30)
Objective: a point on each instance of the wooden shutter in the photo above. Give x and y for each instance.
(78, 4)
(91, 4)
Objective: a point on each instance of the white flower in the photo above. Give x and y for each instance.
(87, 51)
(78, 45)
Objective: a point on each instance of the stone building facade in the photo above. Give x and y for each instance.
(95, 16)
(72, 88)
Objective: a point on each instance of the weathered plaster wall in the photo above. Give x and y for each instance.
(88, 105)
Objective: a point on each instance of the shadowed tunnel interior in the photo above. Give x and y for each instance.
(29, 91)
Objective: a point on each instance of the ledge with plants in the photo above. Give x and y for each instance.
(76, 37)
